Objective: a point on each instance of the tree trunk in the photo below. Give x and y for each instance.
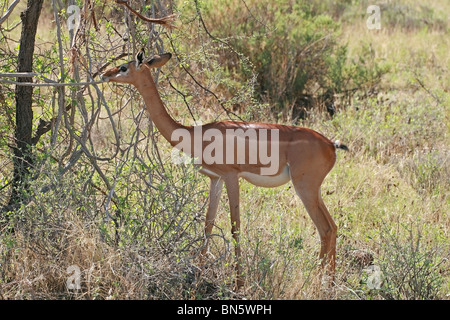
(23, 158)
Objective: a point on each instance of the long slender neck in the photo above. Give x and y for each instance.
(155, 107)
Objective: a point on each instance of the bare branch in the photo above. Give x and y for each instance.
(9, 11)
(43, 127)
(55, 84)
(120, 56)
(165, 21)
(18, 74)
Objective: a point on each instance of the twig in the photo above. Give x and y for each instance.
(184, 99)
(120, 56)
(200, 17)
(43, 128)
(55, 84)
(18, 74)
(165, 21)
(434, 96)
(9, 11)
(52, 82)
(61, 89)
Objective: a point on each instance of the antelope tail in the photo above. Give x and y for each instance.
(339, 145)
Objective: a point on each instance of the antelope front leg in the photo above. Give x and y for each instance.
(215, 190)
(232, 185)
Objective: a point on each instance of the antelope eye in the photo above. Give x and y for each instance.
(123, 68)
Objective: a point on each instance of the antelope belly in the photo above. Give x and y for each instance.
(267, 181)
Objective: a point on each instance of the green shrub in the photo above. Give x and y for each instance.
(294, 51)
(411, 270)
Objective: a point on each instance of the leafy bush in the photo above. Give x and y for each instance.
(294, 51)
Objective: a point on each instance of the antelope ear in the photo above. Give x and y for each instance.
(139, 59)
(159, 60)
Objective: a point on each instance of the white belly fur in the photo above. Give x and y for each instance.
(267, 181)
